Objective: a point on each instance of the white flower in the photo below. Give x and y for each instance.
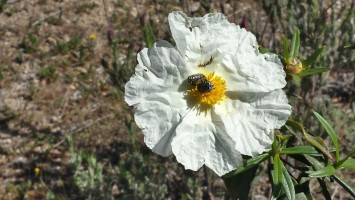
(238, 116)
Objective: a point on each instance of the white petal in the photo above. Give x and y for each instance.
(251, 124)
(198, 142)
(201, 35)
(155, 91)
(158, 121)
(159, 69)
(235, 52)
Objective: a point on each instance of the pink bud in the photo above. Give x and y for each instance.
(144, 18)
(110, 34)
(245, 24)
(326, 15)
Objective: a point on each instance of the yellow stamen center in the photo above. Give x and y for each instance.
(216, 95)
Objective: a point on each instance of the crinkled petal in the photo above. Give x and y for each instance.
(251, 124)
(199, 142)
(254, 73)
(200, 35)
(155, 92)
(234, 52)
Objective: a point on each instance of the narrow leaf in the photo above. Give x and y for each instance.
(248, 165)
(299, 127)
(285, 48)
(295, 44)
(296, 95)
(311, 59)
(287, 184)
(350, 164)
(309, 72)
(317, 145)
(350, 47)
(330, 132)
(323, 172)
(277, 177)
(316, 164)
(345, 159)
(299, 150)
(297, 134)
(346, 186)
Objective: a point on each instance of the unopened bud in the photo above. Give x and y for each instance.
(144, 18)
(294, 66)
(326, 15)
(110, 34)
(245, 23)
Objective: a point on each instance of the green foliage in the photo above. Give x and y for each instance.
(277, 177)
(30, 43)
(48, 73)
(295, 44)
(248, 164)
(330, 132)
(119, 72)
(65, 47)
(314, 71)
(323, 172)
(312, 58)
(299, 150)
(287, 184)
(345, 185)
(2, 5)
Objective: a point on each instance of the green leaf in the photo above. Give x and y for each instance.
(299, 150)
(313, 141)
(295, 44)
(287, 184)
(297, 134)
(316, 164)
(299, 127)
(330, 132)
(148, 35)
(262, 50)
(311, 59)
(350, 164)
(342, 161)
(296, 95)
(301, 196)
(277, 177)
(248, 164)
(350, 47)
(239, 185)
(323, 172)
(285, 47)
(346, 186)
(309, 72)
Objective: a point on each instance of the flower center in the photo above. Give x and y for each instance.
(213, 96)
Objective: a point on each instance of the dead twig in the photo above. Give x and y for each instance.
(46, 17)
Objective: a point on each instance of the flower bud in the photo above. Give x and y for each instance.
(326, 15)
(294, 66)
(110, 34)
(144, 18)
(245, 23)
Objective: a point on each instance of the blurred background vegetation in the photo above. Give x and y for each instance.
(65, 130)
